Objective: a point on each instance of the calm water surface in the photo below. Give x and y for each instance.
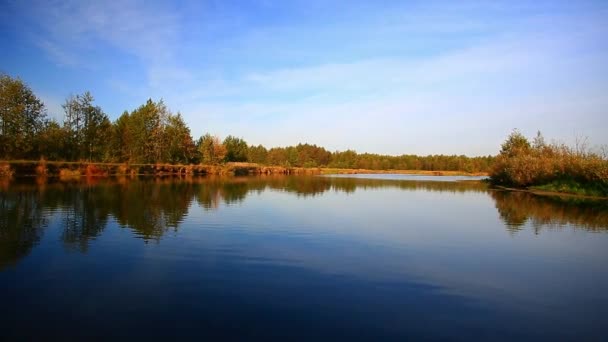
(300, 257)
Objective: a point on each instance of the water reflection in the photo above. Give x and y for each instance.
(518, 208)
(21, 225)
(152, 207)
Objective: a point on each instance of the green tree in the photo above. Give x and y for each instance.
(121, 143)
(236, 149)
(88, 127)
(346, 159)
(180, 147)
(52, 141)
(22, 116)
(145, 129)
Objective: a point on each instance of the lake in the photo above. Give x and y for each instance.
(381, 257)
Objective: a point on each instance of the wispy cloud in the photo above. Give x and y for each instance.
(75, 31)
(59, 54)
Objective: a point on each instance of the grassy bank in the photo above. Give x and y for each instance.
(573, 187)
(69, 170)
(550, 167)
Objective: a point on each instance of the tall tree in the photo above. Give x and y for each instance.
(236, 149)
(88, 127)
(22, 116)
(211, 149)
(180, 147)
(146, 130)
(515, 144)
(122, 140)
(52, 141)
(257, 154)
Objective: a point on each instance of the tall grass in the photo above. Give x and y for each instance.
(6, 171)
(553, 167)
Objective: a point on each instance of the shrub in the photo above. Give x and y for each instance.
(522, 164)
(5, 170)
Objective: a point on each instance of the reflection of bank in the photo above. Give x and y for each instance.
(517, 208)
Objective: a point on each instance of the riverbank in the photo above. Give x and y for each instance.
(29, 168)
(597, 190)
(547, 191)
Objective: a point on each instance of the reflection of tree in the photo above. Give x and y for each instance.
(513, 216)
(517, 208)
(87, 218)
(207, 197)
(302, 186)
(151, 208)
(21, 225)
(234, 192)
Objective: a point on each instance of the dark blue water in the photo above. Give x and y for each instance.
(299, 258)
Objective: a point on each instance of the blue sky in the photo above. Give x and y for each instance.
(392, 77)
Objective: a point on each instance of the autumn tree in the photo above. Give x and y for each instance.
(257, 154)
(515, 144)
(22, 116)
(277, 156)
(211, 149)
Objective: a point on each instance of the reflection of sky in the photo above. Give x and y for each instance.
(408, 177)
(368, 232)
(453, 241)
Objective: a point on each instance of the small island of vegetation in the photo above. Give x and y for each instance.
(553, 167)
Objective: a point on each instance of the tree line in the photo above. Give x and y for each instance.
(151, 133)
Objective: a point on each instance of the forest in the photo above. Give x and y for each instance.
(152, 133)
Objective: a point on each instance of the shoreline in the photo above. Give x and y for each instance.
(71, 171)
(540, 192)
(63, 169)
